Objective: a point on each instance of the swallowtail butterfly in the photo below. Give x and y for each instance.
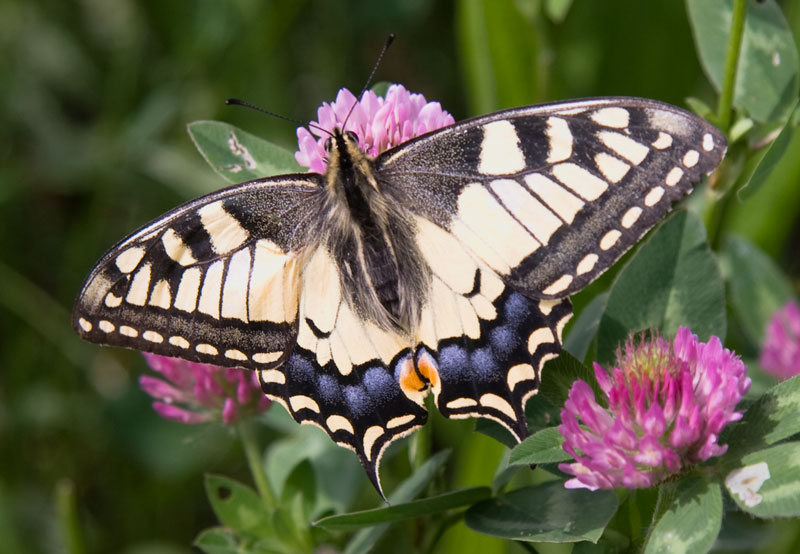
(443, 265)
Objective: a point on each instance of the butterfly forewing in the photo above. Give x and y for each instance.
(550, 196)
(215, 280)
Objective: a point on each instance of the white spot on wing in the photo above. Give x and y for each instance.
(691, 158)
(224, 230)
(631, 217)
(624, 146)
(663, 141)
(212, 288)
(140, 285)
(558, 199)
(160, 296)
(708, 142)
(234, 354)
(266, 357)
(301, 402)
(479, 211)
(540, 221)
(611, 117)
(129, 259)
(500, 151)
(540, 336)
(152, 336)
(653, 197)
(207, 349)
(585, 184)
(587, 264)
(85, 324)
(273, 376)
(560, 140)
(399, 421)
(493, 401)
(611, 168)
(370, 436)
(463, 402)
(339, 423)
(519, 373)
(674, 176)
(175, 249)
(234, 291)
(128, 331)
(106, 326)
(179, 341)
(558, 285)
(610, 239)
(188, 289)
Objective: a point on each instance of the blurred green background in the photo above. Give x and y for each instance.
(94, 99)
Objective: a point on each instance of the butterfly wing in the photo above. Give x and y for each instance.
(214, 280)
(343, 374)
(519, 209)
(551, 196)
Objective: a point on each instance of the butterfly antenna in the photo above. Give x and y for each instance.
(237, 102)
(375, 67)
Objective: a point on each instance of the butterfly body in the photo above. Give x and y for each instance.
(443, 265)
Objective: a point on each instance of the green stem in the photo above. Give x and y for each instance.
(67, 509)
(252, 452)
(634, 517)
(731, 63)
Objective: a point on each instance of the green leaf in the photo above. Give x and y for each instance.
(301, 484)
(775, 416)
(364, 540)
(547, 512)
(559, 374)
(409, 510)
(767, 76)
(237, 155)
(767, 484)
(692, 521)
(774, 153)
(585, 327)
(218, 540)
(236, 505)
(542, 447)
(757, 285)
(671, 281)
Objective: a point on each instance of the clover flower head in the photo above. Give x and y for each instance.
(191, 392)
(667, 404)
(379, 122)
(780, 354)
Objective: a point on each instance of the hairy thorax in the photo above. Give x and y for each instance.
(371, 239)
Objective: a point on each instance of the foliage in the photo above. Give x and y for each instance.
(94, 108)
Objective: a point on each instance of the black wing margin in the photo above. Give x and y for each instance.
(214, 280)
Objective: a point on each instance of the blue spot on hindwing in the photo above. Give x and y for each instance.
(484, 363)
(516, 309)
(453, 363)
(503, 340)
(329, 390)
(357, 399)
(379, 384)
(300, 370)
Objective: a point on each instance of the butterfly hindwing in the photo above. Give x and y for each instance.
(343, 374)
(485, 342)
(215, 280)
(550, 196)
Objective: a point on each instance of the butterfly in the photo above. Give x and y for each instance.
(443, 265)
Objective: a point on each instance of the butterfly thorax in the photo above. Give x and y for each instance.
(370, 237)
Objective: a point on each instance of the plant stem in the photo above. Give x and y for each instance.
(667, 492)
(67, 509)
(252, 452)
(731, 63)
